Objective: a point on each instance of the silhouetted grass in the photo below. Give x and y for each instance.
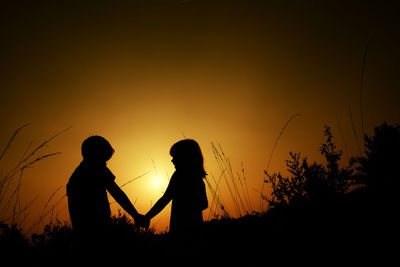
(260, 208)
(235, 182)
(11, 210)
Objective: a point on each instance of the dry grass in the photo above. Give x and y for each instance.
(262, 198)
(11, 209)
(236, 184)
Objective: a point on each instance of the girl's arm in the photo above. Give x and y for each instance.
(159, 206)
(161, 203)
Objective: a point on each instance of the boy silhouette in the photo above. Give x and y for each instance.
(87, 188)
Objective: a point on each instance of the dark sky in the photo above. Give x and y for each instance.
(51, 44)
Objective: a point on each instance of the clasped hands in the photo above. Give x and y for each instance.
(142, 221)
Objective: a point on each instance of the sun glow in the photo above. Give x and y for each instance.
(158, 182)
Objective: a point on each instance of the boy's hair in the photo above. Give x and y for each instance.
(190, 150)
(97, 147)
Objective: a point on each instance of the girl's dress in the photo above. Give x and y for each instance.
(189, 199)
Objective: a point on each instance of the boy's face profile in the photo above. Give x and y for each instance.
(97, 157)
(175, 161)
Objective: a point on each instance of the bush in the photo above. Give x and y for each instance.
(378, 169)
(316, 183)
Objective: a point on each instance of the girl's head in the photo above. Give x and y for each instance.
(186, 155)
(97, 148)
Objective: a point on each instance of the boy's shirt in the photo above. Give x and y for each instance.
(87, 195)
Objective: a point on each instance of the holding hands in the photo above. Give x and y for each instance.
(142, 221)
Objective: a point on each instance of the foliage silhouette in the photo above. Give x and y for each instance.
(378, 170)
(317, 183)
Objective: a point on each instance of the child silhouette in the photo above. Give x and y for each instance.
(186, 189)
(88, 204)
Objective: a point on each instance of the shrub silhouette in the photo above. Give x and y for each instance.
(339, 208)
(316, 182)
(378, 169)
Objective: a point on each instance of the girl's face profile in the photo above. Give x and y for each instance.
(177, 161)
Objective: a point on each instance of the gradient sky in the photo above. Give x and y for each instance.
(145, 74)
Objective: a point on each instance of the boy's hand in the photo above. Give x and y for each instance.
(146, 222)
(142, 221)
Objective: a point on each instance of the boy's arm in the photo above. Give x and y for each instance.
(122, 199)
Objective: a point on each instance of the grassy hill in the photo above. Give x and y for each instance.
(346, 228)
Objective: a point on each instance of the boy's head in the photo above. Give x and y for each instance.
(97, 148)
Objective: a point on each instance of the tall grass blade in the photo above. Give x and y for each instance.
(354, 132)
(12, 139)
(362, 80)
(260, 206)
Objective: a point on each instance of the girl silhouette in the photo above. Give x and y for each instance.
(186, 189)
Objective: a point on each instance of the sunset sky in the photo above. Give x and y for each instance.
(145, 74)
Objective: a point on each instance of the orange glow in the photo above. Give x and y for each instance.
(158, 182)
(144, 78)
